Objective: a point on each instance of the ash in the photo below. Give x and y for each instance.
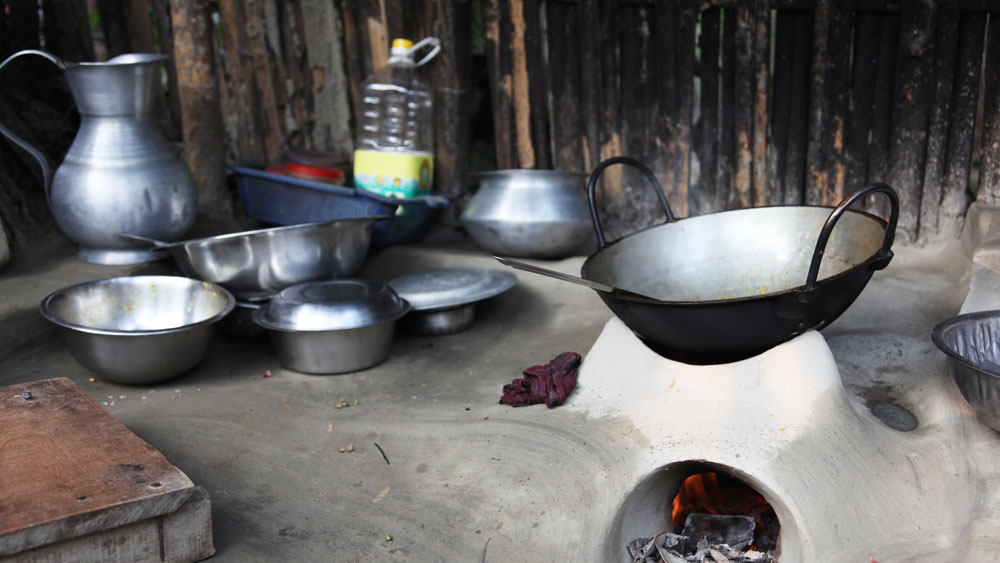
(666, 547)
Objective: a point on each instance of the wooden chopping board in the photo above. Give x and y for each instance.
(68, 468)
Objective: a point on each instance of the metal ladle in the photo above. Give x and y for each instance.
(602, 287)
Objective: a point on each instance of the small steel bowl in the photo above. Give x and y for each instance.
(334, 326)
(972, 344)
(140, 329)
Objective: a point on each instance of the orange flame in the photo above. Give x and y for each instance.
(712, 493)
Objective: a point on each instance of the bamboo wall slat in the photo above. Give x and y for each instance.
(761, 49)
(989, 187)
(569, 139)
(939, 127)
(743, 106)
(965, 98)
(912, 104)
(707, 128)
(798, 109)
(881, 133)
(864, 75)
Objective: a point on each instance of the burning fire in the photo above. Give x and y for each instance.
(712, 493)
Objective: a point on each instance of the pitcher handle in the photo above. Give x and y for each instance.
(43, 161)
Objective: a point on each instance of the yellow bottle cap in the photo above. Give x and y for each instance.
(402, 43)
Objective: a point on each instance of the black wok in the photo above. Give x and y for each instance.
(726, 286)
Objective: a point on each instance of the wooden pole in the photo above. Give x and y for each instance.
(200, 111)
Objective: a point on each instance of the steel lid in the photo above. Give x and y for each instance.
(451, 287)
(332, 305)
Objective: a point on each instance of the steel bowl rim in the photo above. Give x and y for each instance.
(44, 308)
(508, 281)
(279, 229)
(937, 336)
(257, 317)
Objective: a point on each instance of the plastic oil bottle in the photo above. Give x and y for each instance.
(395, 142)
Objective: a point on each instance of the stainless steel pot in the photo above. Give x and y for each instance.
(334, 326)
(121, 175)
(141, 329)
(530, 213)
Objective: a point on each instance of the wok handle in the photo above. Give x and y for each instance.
(831, 221)
(592, 190)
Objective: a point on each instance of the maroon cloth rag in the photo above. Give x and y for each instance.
(549, 383)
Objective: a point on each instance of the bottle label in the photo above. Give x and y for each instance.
(394, 174)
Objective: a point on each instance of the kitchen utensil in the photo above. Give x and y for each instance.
(529, 213)
(256, 264)
(120, 174)
(729, 285)
(597, 286)
(972, 344)
(443, 301)
(140, 329)
(332, 326)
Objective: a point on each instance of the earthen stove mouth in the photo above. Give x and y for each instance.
(657, 505)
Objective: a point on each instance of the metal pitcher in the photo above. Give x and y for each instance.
(121, 175)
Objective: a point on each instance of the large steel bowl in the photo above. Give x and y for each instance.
(972, 344)
(255, 265)
(141, 329)
(529, 213)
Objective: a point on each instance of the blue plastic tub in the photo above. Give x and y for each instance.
(284, 200)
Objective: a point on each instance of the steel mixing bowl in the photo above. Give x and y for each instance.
(257, 264)
(529, 213)
(140, 329)
(972, 344)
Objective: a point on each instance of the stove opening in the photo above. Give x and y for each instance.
(724, 510)
(698, 510)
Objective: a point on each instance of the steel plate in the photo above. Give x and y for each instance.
(451, 287)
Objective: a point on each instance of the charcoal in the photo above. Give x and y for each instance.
(636, 548)
(661, 549)
(670, 556)
(734, 531)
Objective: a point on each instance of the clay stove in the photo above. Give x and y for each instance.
(857, 437)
